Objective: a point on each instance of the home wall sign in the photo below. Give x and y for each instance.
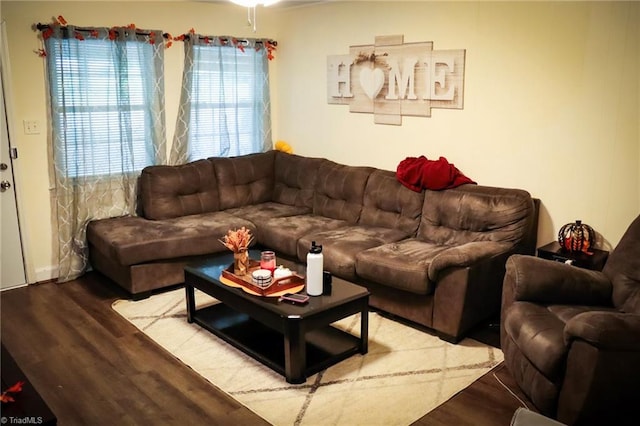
(391, 78)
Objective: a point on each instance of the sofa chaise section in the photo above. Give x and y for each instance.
(180, 220)
(117, 246)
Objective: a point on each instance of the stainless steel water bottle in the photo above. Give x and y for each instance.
(315, 264)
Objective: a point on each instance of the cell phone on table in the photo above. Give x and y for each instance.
(294, 298)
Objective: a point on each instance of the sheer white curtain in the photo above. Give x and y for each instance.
(106, 88)
(225, 108)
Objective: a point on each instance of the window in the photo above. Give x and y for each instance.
(227, 98)
(103, 105)
(225, 108)
(106, 90)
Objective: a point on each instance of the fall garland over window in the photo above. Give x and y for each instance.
(239, 43)
(81, 33)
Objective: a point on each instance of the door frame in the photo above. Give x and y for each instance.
(5, 69)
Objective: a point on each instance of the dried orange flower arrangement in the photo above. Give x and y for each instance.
(238, 242)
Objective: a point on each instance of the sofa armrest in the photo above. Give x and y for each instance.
(465, 255)
(532, 279)
(615, 331)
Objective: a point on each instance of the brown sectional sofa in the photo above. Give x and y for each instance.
(435, 258)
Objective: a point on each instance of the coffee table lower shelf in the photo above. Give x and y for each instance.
(325, 346)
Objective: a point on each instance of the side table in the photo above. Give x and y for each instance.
(595, 261)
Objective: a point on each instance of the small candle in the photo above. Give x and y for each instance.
(262, 278)
(268, 261)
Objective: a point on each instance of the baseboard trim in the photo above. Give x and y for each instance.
(46, 274)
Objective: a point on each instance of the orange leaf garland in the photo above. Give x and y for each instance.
(80, 34)
(47, 33)
(270, 49)
(5, 397)
(16, 388)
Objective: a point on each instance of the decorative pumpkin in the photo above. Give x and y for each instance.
(576, 236)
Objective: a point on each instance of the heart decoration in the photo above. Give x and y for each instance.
(371, 81)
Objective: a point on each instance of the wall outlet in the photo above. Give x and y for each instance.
(31, 127)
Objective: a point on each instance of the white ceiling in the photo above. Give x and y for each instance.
(281, 3)
(295, 3)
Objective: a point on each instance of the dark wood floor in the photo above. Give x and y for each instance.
(94, 368)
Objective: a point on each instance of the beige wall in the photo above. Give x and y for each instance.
(551, 96)
(28, 87)
(551, 99)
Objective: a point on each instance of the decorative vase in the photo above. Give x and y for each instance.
(240, 262)
(576, 236)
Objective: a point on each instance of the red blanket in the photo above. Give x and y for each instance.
(418, 173)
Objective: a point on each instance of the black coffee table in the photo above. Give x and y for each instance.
(295, 341)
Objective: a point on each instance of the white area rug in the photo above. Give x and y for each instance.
(405, 374)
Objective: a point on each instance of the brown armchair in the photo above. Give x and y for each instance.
(571, 336)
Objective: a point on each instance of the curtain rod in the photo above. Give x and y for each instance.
(41, 27)
(225, 39)
(268, 44)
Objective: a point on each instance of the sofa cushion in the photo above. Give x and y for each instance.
(295, 179)
(340, 246)
(259, 213)
(339, 191)
(132, 240)
(389, 204)
(475, 213)
(244, 180)
(174, 191)
(403, 265)
(282, 233)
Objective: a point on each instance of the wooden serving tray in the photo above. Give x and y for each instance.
(291, 284)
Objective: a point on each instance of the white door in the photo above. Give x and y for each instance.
(12, 272)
